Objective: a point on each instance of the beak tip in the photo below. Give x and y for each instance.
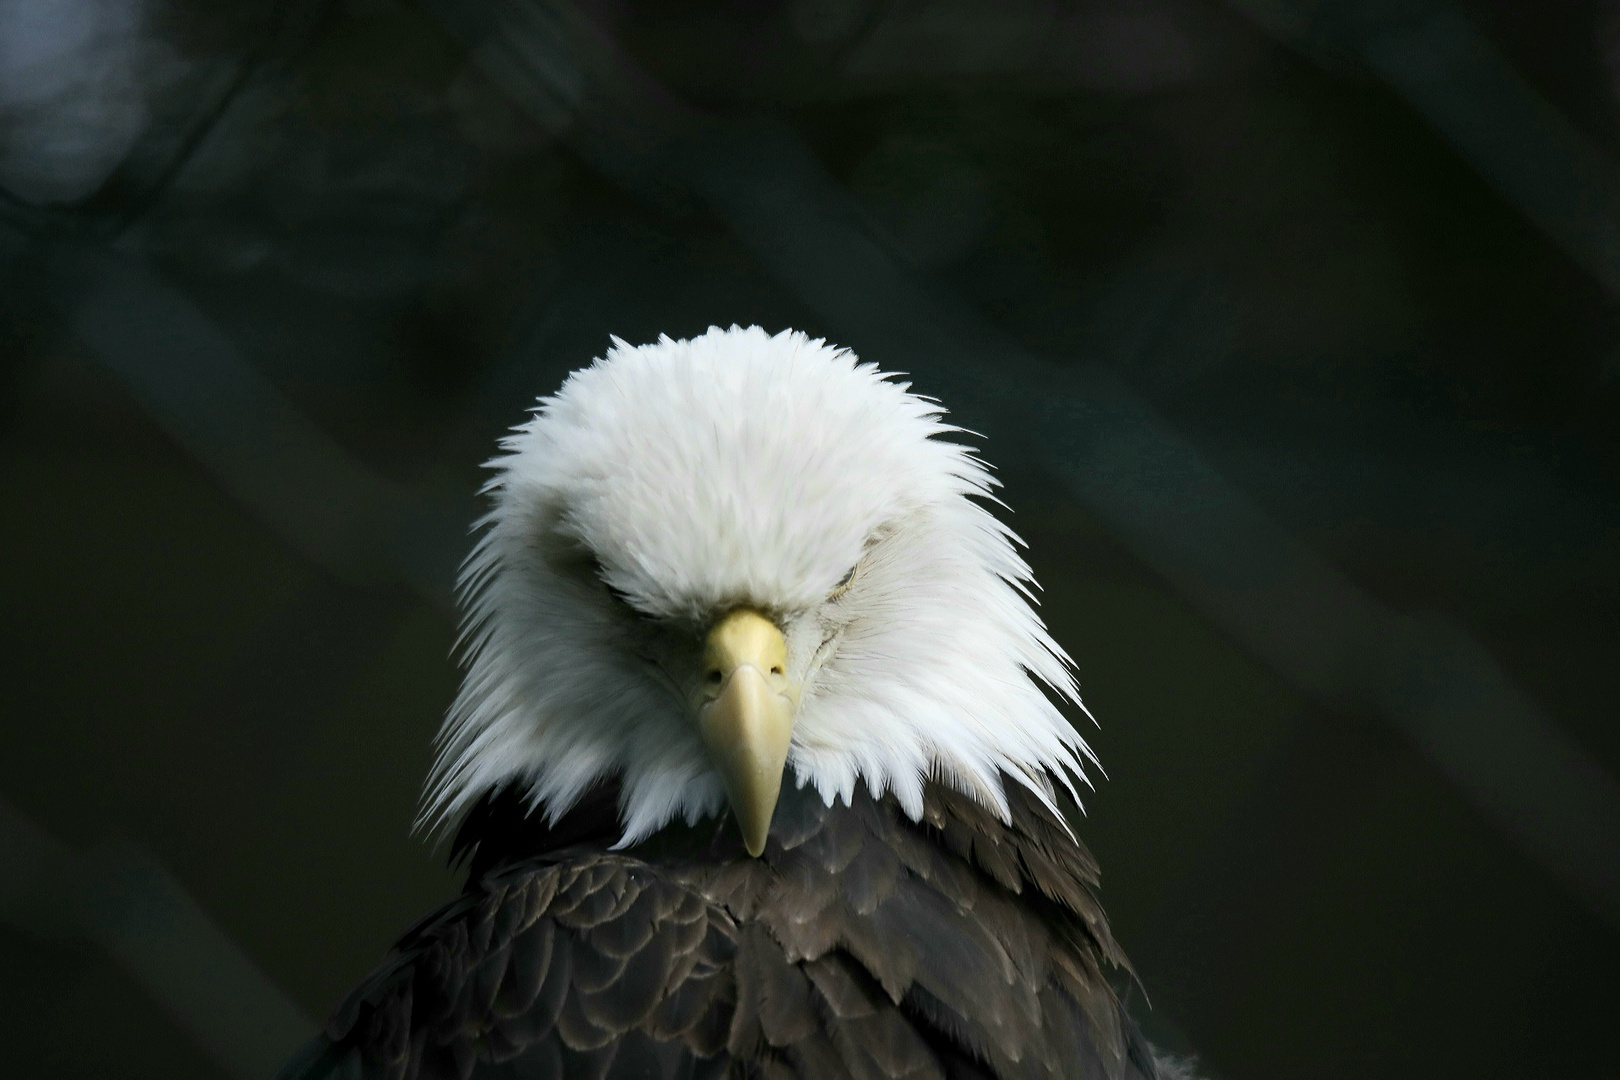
(754, 832)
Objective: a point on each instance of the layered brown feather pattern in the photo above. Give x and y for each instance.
(860, 945)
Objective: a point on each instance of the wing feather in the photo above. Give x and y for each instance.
(862, 945)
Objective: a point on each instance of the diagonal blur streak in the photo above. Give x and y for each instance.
(118, 898)
(315, 497)
(192, 380)
(1453, 76)
(1426, 676)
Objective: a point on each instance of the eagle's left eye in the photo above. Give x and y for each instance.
(844, 583)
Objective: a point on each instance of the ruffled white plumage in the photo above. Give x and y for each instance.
(739, 468)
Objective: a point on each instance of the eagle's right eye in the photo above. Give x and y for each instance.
(619, 595)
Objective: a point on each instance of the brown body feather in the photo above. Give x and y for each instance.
(861, 945)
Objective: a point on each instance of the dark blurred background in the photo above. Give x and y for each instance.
(1291, 325)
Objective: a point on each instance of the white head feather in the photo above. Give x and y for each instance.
(668, 483)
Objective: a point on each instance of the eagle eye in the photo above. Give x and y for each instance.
(618, 595)
(844, 583)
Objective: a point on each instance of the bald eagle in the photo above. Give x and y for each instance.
(757, 763)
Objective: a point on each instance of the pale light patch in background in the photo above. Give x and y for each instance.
(74, 79)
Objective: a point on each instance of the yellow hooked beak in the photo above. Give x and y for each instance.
(745, 710)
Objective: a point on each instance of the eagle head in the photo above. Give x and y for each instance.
(711, 563)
